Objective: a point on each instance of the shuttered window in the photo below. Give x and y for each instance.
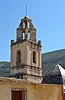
(18, 94)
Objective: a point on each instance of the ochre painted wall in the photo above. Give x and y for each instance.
(34, 91)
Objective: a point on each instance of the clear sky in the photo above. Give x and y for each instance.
(48, 17)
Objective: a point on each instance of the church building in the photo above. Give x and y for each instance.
(26, 69)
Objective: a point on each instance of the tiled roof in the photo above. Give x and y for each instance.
(53, 77)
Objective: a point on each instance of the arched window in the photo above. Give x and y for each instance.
(34, 57)
(26, 22)
(23, 25)
(18, 57)
(29, 36)
(28, 25)
(23, 36)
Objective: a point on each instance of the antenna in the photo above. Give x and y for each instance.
(26, 10)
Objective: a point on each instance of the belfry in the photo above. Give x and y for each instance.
(26, 58)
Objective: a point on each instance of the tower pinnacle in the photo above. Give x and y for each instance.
(26, 10)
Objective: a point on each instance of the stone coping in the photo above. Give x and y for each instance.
(5, 80)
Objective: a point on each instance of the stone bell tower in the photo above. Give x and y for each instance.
(26, 58)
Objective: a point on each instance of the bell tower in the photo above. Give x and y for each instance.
(26, 58)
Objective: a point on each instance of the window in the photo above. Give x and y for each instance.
(28, 25)
(28, 35)
(26, 22)
(18, 57)
(23, 36)
(23, 25)
(17, 94)
(34, 57)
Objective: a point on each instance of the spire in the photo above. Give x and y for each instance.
(26, 10)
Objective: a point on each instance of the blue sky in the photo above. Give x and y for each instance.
(48, 17)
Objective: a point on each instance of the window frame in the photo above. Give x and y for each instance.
(23, 93)
(18, 57)
(34, 57)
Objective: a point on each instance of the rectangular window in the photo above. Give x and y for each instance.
(18, 94)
